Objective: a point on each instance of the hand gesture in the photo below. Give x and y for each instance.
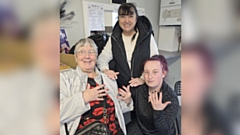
(134, 82)
(95, 93)
(125, 94)
(111, 74)
(157, 102)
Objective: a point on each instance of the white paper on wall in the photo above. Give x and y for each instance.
(96, 17)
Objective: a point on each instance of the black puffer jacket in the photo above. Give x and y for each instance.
(140, 54)
(153, 122)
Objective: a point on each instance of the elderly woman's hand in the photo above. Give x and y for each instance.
(125, 94)
(134, 82)
(94, 94)
(157, 102)
(111, 74)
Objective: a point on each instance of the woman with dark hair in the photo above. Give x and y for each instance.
(155, 103)
(130, 45)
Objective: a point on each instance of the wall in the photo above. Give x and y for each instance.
(174, 74)
(75, 28)
(169, 34)
(152, 11)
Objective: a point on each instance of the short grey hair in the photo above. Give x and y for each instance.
(84, 42)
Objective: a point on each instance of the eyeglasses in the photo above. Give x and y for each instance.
(83, 52)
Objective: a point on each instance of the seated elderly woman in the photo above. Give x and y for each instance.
(87, 95)
(155, 103)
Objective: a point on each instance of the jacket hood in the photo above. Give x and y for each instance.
(143, 24)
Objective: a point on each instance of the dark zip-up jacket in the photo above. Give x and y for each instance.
(150, 121)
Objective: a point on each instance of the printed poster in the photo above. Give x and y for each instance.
(96, 17)
(64, 45)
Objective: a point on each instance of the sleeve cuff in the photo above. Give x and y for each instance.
(130, 105)
(125, 107)
(158, 113)
(84, 106)
(103, 68)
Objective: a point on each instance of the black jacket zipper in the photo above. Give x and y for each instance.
(119, 47)
(133, 57)
(123, 54)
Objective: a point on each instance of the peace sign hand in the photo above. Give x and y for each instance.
(157, 102)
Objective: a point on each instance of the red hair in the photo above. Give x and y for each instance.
(159, 58)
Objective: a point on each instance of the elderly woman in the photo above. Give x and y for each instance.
(85, 93)
(155, 103)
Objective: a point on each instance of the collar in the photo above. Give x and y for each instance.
(84, 76)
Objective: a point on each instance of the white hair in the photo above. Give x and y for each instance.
(84, 42)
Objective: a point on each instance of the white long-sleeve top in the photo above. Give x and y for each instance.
(129, 45)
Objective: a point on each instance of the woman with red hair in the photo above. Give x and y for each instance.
(155, 103)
